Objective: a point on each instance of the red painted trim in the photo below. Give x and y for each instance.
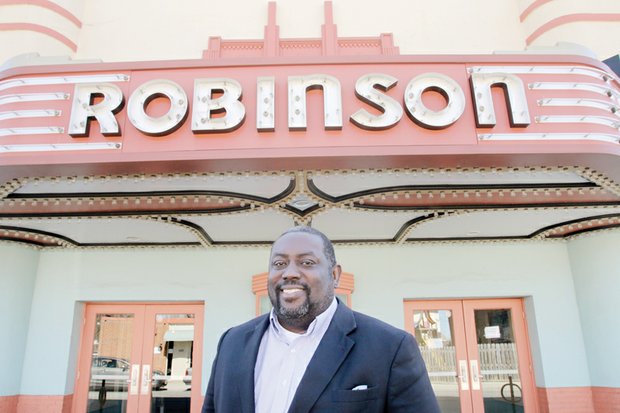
(272, 32)
(39, 29)
(566, 400)
(8, 404)
(579, 399)
(329, 32)
(572, 18)
(40, 404)
(308, 61)
(44, 404)
(606, 399)
(533, 6)
(272, 45)
(46, 4)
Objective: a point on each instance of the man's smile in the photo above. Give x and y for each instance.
(292, 291)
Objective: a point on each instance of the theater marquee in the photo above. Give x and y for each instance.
(199, 110)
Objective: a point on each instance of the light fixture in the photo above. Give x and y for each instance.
(544, 70)
(549, 137)
(52, 147)
(60, 80)
(302, 202)
(33, 97)
(40, 130)
(37, 113)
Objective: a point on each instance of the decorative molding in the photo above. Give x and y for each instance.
(35, 237)
(328, 45)
(533, 6)
(46, 4)
(577, 226)
(571, 18)
(37, 28)
(431, 201)
(198, 231)
(403, 233)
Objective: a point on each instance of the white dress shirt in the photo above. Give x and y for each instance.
(283, 357)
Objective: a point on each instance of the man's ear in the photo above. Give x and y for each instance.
(336, 274)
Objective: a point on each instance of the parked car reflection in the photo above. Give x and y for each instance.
(188, 377)
(114, 372)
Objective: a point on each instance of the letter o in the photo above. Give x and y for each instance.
(162, 124)
(426, 117)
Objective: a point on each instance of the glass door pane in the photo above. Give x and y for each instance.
(499, 362)
(110, 363)
(171, 353)
(476, 353)
(172, 363)
(438, 327)
(139, 358)
(434, 331)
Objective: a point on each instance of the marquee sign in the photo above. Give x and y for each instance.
(367, 89)
(296, 107)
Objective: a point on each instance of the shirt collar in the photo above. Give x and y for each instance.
(318, 324)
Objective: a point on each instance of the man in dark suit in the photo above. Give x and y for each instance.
(312, 353)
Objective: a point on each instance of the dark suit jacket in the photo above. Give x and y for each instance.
(355, 350)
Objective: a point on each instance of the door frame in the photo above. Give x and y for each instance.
(139, 350)
(471, 400)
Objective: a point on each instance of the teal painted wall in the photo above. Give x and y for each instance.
(384, 276)
(221, 278)
(18, 269)
(539, 271)
(595, 260)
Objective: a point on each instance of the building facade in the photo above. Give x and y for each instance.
(462, 155)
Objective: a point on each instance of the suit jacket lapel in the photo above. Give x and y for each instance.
(247, 361)
(329, 355)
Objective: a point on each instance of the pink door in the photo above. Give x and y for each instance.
(139, 358)
(476, 352)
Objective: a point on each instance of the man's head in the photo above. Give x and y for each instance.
(303, 274)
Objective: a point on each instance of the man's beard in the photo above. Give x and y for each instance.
(292, 313)
(295, 313)
(303, 314)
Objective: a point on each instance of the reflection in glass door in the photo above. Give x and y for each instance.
(169, 353)
(477, 354)
(438, 330)
(499, 355)
(112, 348)
(139, 359)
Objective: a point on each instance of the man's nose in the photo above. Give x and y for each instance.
(291, 272)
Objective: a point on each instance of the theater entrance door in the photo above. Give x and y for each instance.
(476, 352)
(139, 358)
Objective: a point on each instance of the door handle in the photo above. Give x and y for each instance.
(146, 379)
(463, 375)
(475, 375)
(133, 379)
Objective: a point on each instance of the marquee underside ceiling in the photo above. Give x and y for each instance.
(387, 206)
